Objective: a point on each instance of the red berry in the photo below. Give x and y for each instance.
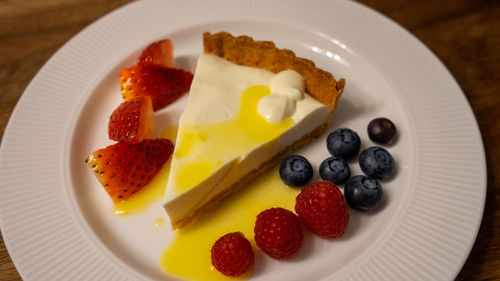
(132, 121)
(278, 233)
(163, 85)
(158, 53)
(232, 254)
(323, 209)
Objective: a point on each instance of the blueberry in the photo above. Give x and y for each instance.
(295, 170)
(382, 131)
(344, 143)
(335, 170)
(376, 162)
(363, 193)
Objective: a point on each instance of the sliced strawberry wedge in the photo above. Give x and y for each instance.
(158, 53)
(124, 169)
(164, 85)
(132, 121)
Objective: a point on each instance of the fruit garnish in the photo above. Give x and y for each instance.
(323, 209)
(158, 53)
(124, 169)
(232, 254)
(163, 85)
(132, 121)
(363, 193)
(376, 162)
(295, 170)
(382, 131)
(335, 170)
(278, 233)
(344, 143)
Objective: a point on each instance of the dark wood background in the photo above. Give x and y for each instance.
(464, 34)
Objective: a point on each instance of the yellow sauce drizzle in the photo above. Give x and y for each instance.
(159, 222)
(188, 256)
(216, 143)
(170, 133)
(193, 173)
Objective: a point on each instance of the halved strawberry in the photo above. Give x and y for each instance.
(159, 53)
(164, 85)
(124, 169)
(132, 121)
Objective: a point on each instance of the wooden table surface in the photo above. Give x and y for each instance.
(464, 34)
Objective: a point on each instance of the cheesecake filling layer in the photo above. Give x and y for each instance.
(222, 136)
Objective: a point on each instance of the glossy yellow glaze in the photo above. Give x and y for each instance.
(216, 143)
(188, 256)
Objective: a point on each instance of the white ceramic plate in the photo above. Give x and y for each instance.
(58, 224)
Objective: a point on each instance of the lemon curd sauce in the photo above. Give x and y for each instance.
(188, 255)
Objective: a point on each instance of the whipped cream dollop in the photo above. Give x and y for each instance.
(287, 87)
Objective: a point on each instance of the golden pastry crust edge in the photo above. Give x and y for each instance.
(244, 50)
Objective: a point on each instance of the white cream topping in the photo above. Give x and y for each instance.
(288, 79)
(276, 108)
(287, 88)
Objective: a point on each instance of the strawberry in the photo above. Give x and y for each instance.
(232, 254)
(164, 85)
(323, 209)
(158, 53)
(132, 121)
(124, 169)
(278, 233)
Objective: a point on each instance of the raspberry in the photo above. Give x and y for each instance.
(278, 233)
(323, 209)
(232, 254)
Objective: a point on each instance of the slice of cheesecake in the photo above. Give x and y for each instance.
(249, 106)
